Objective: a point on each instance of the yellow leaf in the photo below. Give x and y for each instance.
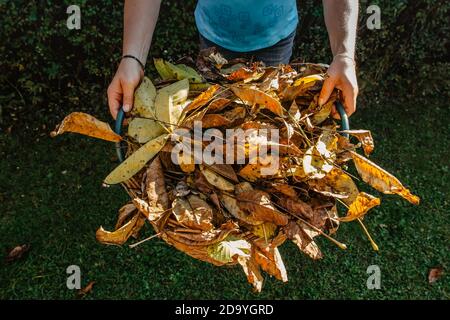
(169, 103)
(380, 179)
(144, 99)
(362, 204)
(183, 71)
(317, 161)
(254, 171)
(120, 236)
(255, 96)
(365, 137)
(164, 72)
(134, 163)
(336, 184)
(264, 230)
(144, 130)
(83, 123)
(202, 99)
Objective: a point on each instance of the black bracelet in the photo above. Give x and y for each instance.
(133, 57)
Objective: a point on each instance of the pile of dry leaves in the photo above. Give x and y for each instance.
(239, 212)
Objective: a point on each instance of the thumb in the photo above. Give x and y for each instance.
(128, 96)
(327, 89)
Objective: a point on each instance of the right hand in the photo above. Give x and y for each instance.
(121, 90)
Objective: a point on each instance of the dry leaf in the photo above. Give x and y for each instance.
(362, 204)
(143, 130)
(435, 274)
(254, 96)
(134, 163)
(217, 180)
(303, 239)
(124, 213)
(271, 262)
(87, 125)
(193, 213)
(380, 179)
(17, 252)
(365, 138)
(119, 236)
(337, 184)
(87, 289)
(259, 207)
(144, 99)
(251, 270)
(297, 207)
(202, 99)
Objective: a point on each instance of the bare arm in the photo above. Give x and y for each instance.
(341, 18)
(139, 21)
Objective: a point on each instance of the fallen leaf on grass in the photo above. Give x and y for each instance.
(87, 289)
(17, 252)
(435, 274)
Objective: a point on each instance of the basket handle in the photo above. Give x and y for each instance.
(121, 116)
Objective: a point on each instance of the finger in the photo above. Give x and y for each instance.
(114, 99)
(334, 113)
(128, 95)
(349, 94)
(327, 89)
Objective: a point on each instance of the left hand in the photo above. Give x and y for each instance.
(341, 75)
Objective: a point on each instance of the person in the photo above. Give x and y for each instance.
(264, 29)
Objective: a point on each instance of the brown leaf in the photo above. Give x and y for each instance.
(303, 239)
(119, 236)
(225, 170)
(365, 137)
(254, 96)
(435, 274)
(380, 179)
(193, 213)
(230, 203)
(218, 105)
(84, 291)
(259, 207)
(86, 124)
(124, 213)
(297, 207)
(271, 262)
(17, 252)
(227, 119)
(285, 189)
(251, 270)
(156, 189)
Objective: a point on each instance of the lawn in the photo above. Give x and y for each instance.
(52, 198)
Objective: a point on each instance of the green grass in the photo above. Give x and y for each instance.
(51, 198)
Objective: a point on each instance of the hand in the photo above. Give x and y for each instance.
(341, 75)
(121, 90)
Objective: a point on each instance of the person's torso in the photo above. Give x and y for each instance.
(246, 25)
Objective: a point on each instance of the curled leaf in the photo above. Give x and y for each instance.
(83, 123)
(362, 204)
(380, 179)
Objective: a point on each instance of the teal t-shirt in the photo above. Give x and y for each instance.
(246, 25)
